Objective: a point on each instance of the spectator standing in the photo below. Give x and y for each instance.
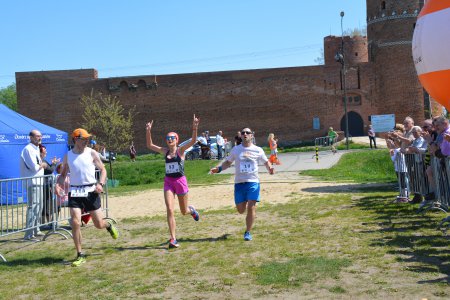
(444, 136)
(238, 138)
(419, 145)
(372, 138)
(31, 165)
(85, 190)
(407, 137)
(220, 145)
(273, 145)
(393, 142)
(175, 182)
(62, 192)
(204, 145)
(48, 205)
(246, 188)
(207, 137)
(132, 152)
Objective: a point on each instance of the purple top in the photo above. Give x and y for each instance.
(445, 146)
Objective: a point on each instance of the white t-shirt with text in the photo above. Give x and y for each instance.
(246, 162)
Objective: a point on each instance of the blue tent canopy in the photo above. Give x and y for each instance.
(14, 136)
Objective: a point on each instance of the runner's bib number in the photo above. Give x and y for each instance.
(172, 167)
(247, 167)
(78, 192)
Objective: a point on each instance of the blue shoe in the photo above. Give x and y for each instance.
(194, 213)
(247, 236)
(173, 244)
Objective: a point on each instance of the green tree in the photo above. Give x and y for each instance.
(320, 60)
(105, 117)
(8, 96)
(356, 32)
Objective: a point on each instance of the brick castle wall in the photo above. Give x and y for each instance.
(380, 73)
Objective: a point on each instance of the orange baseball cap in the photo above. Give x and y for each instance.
(80, 133)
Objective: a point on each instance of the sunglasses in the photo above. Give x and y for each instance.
(246, 132)
(171, 137)
(83, 139)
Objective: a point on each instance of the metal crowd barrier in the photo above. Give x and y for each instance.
(31, 204)
(413, 179)
(324, 141)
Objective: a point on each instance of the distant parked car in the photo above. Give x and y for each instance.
(194, 152)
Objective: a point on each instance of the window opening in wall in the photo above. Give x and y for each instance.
(316, 123)
(383, 5)
(356, 53)
(352, 100)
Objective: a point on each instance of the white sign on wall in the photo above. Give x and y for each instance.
(382, 123)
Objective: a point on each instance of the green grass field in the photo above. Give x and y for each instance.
(345, 244)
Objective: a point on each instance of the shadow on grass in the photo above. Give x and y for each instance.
(164, 245)
(43, 261)
(411, 237)
(353, 188)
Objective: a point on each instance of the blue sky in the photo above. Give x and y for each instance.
(138, 37)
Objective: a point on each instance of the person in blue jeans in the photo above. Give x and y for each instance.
(246, 183)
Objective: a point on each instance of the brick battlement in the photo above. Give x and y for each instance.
(297, 103)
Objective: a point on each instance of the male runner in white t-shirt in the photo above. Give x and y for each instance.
(246, 182)
(80, 163)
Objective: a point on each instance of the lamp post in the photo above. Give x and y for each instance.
(340, 57)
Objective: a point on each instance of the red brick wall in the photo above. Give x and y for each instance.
(282, 100)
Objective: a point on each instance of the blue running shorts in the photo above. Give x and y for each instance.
(246, 191)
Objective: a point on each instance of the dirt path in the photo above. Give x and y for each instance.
(274, 189)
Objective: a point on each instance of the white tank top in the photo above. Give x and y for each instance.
(82, 168)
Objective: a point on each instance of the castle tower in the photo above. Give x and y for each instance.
(390, 26)
(355, 49)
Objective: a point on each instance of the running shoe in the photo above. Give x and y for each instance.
(194, 213)
(248, 236)
(402, 200)
(113, 231)
(173, 244)
(81, 259)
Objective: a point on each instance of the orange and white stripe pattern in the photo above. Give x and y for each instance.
(431, 49)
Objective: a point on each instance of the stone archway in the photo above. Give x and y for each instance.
(355, 124)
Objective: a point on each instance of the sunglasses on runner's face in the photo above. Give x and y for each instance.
(246, 132)
(171, 137)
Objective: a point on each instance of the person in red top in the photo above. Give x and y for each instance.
(175, 182)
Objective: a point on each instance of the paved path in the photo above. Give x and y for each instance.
(297, 161)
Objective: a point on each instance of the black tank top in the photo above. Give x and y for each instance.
(174, 165)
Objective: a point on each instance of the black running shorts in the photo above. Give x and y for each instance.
(89, 203)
